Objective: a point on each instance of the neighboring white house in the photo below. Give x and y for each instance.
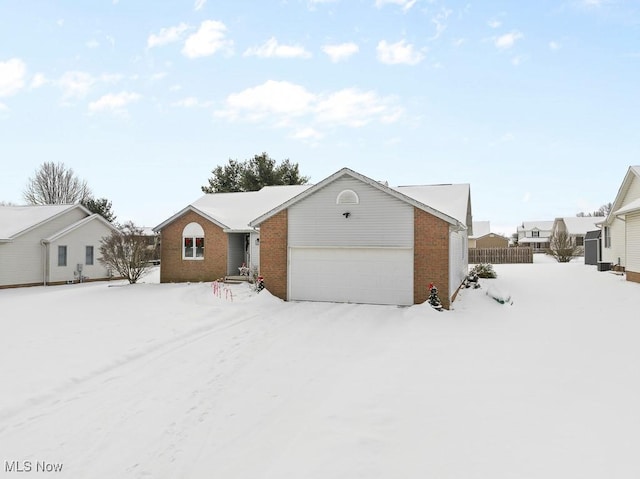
(50, 244)
(621, 228)
(535, 234)
(576, 227)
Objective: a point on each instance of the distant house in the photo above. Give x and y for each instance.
(621, 228)
(353, 239)
(484, 238)
(50, 244)
(576, 227)
(535, 235)
(346, 239)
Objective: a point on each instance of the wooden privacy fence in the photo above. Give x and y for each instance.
(500, 255)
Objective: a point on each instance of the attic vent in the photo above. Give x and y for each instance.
(347, 197)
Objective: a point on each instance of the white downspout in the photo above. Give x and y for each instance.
(45, 257)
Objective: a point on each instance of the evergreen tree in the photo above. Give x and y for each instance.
(253, 174)
(101, 206)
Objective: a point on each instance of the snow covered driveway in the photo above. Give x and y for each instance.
(168, 381)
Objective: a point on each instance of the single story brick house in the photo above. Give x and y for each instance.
(50, 244)
(346, 239)
(211, 237)
(353, 239)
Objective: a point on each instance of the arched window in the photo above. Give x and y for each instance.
(347, 197)
(193, 242)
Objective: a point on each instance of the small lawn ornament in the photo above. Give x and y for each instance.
(433, 300)
(259, 283)
(472, 280)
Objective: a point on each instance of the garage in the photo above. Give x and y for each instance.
(351, 275)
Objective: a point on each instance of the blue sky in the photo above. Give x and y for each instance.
(535, 104)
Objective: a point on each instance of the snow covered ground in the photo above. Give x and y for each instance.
(171, 381)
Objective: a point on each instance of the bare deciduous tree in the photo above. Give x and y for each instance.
(126, 252)
(562, 248)
(54, 184)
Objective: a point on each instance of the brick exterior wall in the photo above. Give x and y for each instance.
(175, 269)
(633, 276)
(273, 254)
(430, 257)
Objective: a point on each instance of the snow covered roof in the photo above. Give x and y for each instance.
(579, 225)
(633, 174)
(450, 203)
(540, 225)
(452, 200)
(234, 211)
(481, 228)
(543, 239)
(78, 224)
(15, 220)
(628, 208)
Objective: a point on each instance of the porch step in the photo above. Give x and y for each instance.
(237, 279)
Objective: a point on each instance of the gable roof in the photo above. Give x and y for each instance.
(540, 225)
(618, 208)
(481, 228)
(579, 225)
(448, 197)
(17, 220)
(78, 224)
(233, 211)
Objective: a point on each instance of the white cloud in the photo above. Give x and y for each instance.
(288, 105)
(517, 60)
(272, 97)
(307, 134)
(175, 88)
(167, 35)
(405, 4)
(38, 80)
(191, 102)
(12, 73)
(340, 52)
(439, 21)
(508, 39)
(209, 39)
(458, 42)
(3, 108)
(113, 102)
(494, 23)
(397, 53)
(199, 4)
(527, 197)
(355, 108)
(272, 49)
(554, 45)
(93, 43)
(75, 84)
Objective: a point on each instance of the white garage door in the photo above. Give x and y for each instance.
(351, 275)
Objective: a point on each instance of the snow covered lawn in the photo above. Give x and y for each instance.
(171, 381)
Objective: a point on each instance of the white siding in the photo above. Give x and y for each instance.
(21, 261)
(617, 250)
(254, 252)
(76, 241)
(379, 220)
(633, 243)
(458, 260)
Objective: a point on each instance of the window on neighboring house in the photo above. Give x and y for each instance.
(607, 237)
(62, 255)
(193, 241)
(579, 240)
(88, 255)
(535, 234)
